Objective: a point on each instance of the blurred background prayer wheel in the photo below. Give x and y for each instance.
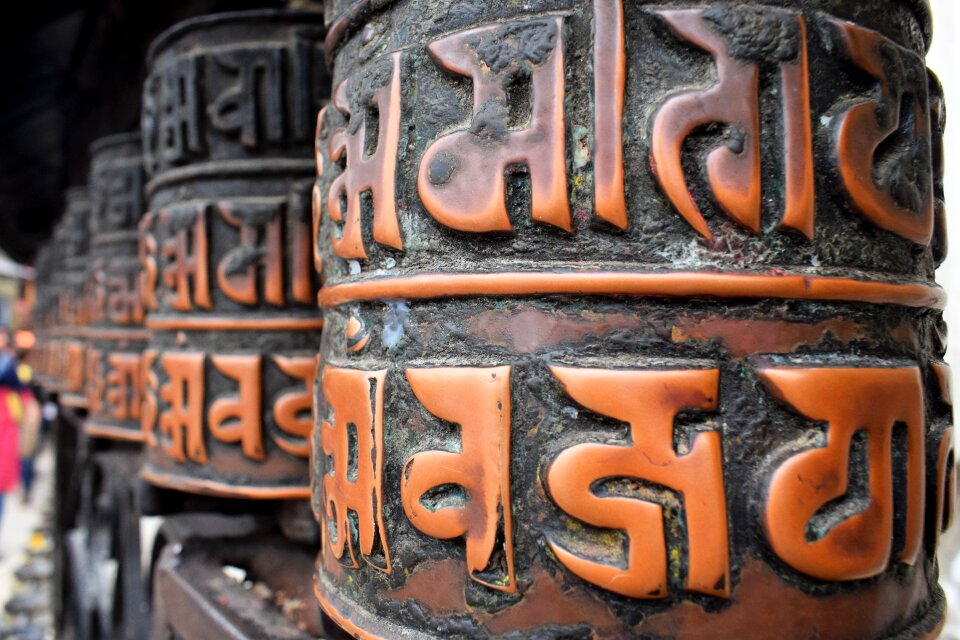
(116, 332)
(71, 246)
(39, 357)
(631, 322)
(227, 278)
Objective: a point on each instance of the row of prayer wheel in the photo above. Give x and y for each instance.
(628, 324)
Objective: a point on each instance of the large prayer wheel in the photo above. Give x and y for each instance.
(631, 327)
(72, 242)
(116, 332)
(227, 275)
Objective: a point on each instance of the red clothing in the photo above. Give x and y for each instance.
(11, 412)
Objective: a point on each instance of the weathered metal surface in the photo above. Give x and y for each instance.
(40, 357)
(72, 243)
(631, 328)
(230, 577)
(115, 317)
(225, 250)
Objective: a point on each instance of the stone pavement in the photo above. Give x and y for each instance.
(18, 538)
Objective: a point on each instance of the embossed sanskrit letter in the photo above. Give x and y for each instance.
(479, 401)
(95, 381)
(150, 408)
(291, 411)
(831, 544)
(375, 88)
(254, 105)
(148, 251)
(184, 263)
(610, 74)
(123, 385)
(461, 179)
(173, 113)
(896, 195)
(353, 476)
(237, 272)
(734, 169)
(946, 487)
(238, 418)
(124, 304)
(182, 421)
(649, 401)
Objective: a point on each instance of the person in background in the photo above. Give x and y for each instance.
(11, 414)
(29, 429)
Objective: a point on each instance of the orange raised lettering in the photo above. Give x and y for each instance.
(187, 260)
(376, 87)
(734, 169)
(350, 483)
(898, 195)
(478, 400)
(649, 402)
(237, 271)
(150, 410)
(461, 177)
(237, 418)
(182, 421)
(831, 544)
(123, 385)
(291, 410)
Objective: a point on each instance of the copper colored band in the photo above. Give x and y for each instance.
(73, 401)
(222, 489)
(116, 334)
(67, 332)
(108, 432)
(342, 620)
(667, 285)
(235, 324)
(230, 168)
(345, 622)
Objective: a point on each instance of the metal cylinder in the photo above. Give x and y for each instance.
(39, 356)
(631, 327)
(72, 242)
(225, 251)
(115, 328)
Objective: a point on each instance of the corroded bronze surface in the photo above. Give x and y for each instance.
(115, 329)
(631, 327)
(227, 279)
(71, 242)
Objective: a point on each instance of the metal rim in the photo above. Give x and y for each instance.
(115, 140)
(180, 29)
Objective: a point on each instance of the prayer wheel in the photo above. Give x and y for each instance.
(39, 356)
(631, 322)
(227, 278)
(116, 332)
(72, 243)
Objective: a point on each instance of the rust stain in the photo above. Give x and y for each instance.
(438, 586)
(777, 610)
(529, 331)
(745, 337)
(905, 334)
(333, 569)
(546, 603)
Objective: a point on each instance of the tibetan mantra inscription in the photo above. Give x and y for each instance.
(630, 321)
(115, 316)
(226, 267)
(72, 240)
